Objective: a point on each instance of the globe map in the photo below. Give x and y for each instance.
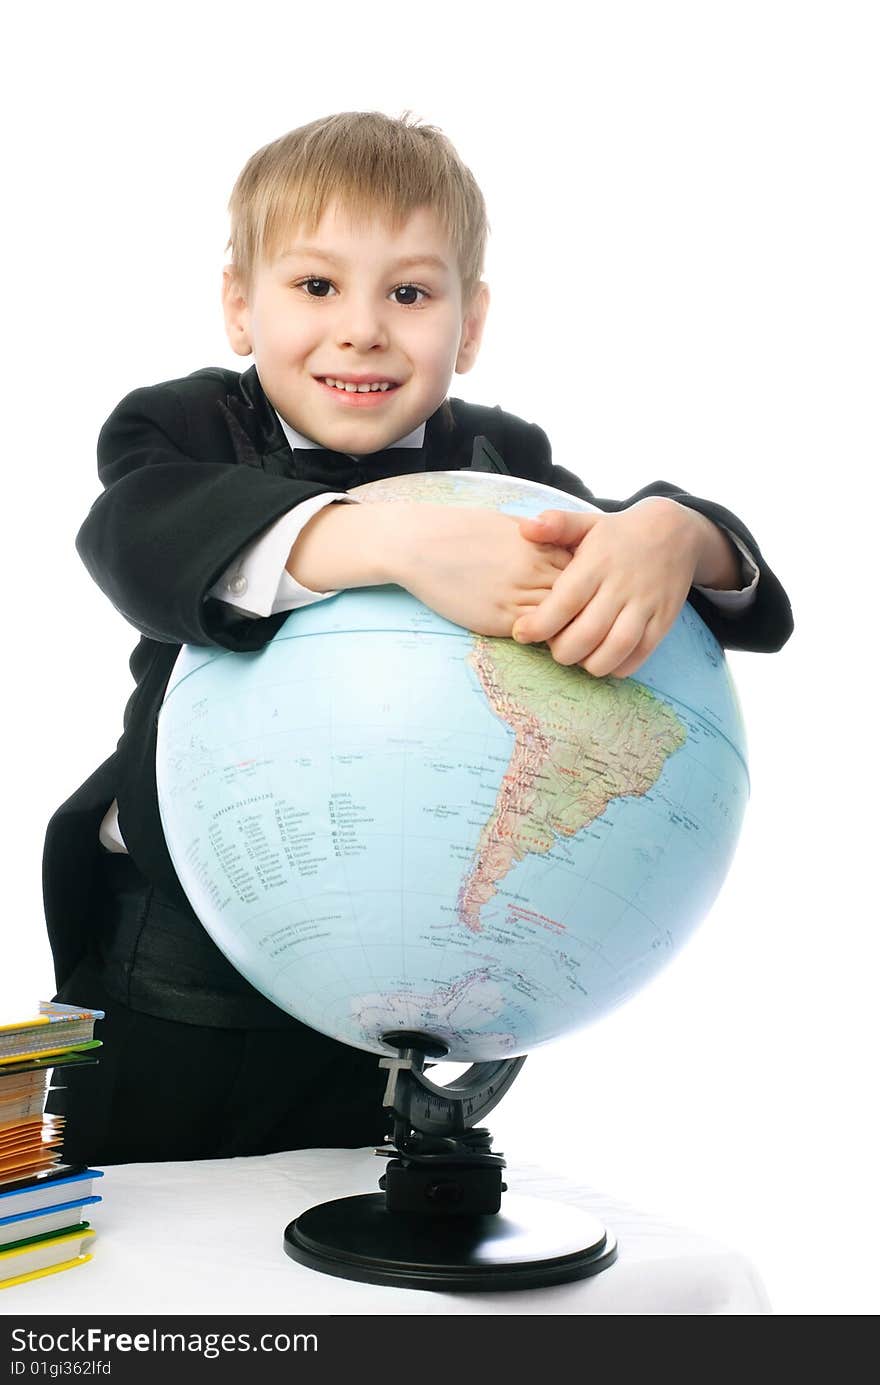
(388, 822)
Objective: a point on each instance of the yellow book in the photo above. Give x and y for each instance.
(41, 1274)
(43, 1257)
(54, 1029)
(48, 1053)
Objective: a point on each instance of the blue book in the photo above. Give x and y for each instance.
(61, 1216)
(64, 1184)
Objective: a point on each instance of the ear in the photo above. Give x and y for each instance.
(472, 329)
(236, 313)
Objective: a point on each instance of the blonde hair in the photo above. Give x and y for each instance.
(373, 164)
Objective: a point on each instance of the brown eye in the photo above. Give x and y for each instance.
(308, 284)
(409, 288)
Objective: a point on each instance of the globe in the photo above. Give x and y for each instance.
(390, 823)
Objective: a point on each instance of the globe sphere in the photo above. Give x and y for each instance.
(387, 822)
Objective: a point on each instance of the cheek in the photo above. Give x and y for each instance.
(438, 347)
(287, 339)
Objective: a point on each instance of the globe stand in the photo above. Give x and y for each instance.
(438, 1223)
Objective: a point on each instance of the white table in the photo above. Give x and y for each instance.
(206, 1237)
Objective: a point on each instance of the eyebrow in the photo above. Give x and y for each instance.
(405, 261)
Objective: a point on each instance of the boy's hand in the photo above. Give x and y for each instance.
(472, 566)
(621, 593)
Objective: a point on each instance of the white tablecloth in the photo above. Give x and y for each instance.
(206, 1236)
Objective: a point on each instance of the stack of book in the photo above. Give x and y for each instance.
(42, 1229)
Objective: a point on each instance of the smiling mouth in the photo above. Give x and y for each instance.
(352, 387)
(357, 398)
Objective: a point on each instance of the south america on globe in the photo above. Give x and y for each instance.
(387, 822)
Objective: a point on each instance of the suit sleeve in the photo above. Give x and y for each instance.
(258, 583)
(763, 627)
(170, 521)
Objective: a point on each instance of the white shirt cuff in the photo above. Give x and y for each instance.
(733, 601)
(257, 583)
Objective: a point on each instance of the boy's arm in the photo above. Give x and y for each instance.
(257, 582)
(764, 626)
(727, 573)
(172, 517)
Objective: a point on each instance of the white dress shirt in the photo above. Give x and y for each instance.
(258, 584)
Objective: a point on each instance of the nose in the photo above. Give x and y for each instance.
(362, 325)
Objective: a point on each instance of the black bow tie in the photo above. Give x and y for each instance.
(259, 441)
(321, 464)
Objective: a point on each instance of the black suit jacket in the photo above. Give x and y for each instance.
(194, 469)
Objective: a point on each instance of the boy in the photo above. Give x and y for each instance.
(357, 249)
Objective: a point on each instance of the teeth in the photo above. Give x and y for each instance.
(357, 389)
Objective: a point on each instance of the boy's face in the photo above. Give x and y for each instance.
(355, 309)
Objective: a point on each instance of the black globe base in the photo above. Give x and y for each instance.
(528, 1244)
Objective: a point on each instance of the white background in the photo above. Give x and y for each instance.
(684, 272)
